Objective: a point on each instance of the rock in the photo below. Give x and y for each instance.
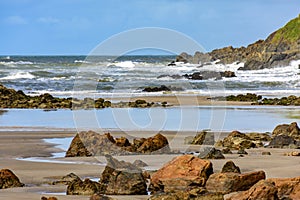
(226, 183)
(100, 197)
(9, 180)
(237, 140)
(66, 179)
(242, 152)
(266, 153)
(48, 198)
(249, 97)
(205, 75)
(287, 187)
(204, 138)
(229, 166)
(264, 189)
(155, 144)
(186, 195)
(86, 187)
(77, 148)
(139, 163)
(226, 151)
(156, 89)
(211, 153)
(228, 74)
(291, 130)
(293, 153)
(93, 144)
(184, 57)
(122, 178)
(180, 173)
(281, 141)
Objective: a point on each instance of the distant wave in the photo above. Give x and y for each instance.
(125, 64)
(18, 75)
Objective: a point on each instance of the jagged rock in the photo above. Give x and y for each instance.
(8, 179)
(282, 141)
(204, 138)
(122, 178)
(86, 187)
(226, 151)
(287, 129)
(93, 144)
(186, 195)
(210, 153)
(237, 140)
(205, 75)
(66, 179)
(287, 187)
(140, 163)
(229, 166)
(280, 47)
(226, 183)
(263, 189)
(156, 89)
(181, 173)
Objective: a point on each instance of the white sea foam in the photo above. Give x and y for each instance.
(18, 75)
(125, 64)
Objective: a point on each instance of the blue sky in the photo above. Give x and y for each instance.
(74, 27)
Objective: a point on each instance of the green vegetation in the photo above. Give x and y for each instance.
(290, 32)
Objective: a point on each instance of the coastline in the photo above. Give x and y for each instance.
(38, 175)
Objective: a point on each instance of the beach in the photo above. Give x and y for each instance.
(38, 175)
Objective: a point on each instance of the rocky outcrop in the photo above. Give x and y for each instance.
(226, 183)
(291, 100)
(195, 194)
(94, 144)
(203, 137)
(66, 180)
(278, 49)
(273, 189)
(8, 179)
(237, 140)
(181, 173)
(287, 129)
(205, 75)
(229, 166)
(282, 141)
(100, 197)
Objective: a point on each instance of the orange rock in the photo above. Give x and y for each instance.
(182, 171)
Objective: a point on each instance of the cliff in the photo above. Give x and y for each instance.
(280, 47)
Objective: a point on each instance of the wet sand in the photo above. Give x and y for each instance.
(37, 176)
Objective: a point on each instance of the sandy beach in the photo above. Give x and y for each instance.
(38, 176)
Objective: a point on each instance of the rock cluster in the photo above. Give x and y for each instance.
(205, 75)
(94, 144)
(291, 100)
(8, 179)
(249, 97)
(11, 98)
(278, 49)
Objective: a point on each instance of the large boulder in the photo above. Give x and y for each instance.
(100, 197)
(77, 148)
(122, 178)
(8, 179)
(204, 137)
(187, 195)
(282, 141)
(287, 187)
(226, 183)
(181, 173)
(287, 129)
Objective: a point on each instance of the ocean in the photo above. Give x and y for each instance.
(128, 75)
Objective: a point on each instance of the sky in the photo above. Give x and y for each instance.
(75, 27)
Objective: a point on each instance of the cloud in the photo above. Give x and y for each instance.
(48, 20)
(18, 20)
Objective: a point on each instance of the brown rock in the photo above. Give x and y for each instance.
(263, 190)
(86, 187)
(204, 138)
(122, 142)
(100, 197)
(122, 178)
(287, 187)
(211, 153)
(66, 179)
(139, 163)
(237, 140)
(266, 153)
(8, 179)
(156, 144)
(230, 167)
(181, 172)
(231, 182)
(287, 129)
(49, 198)
(186, 195)
(77, 148)
(293, 153)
